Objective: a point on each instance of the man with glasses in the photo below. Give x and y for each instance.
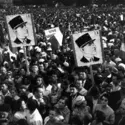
(106, 109)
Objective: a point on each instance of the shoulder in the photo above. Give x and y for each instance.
(17, 41)
(96, 58)
(67, 109)
(110, 110)
(97, 107)
(83, 59)
(28, 41)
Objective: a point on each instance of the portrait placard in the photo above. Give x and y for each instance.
(20, 30)
(87, 48)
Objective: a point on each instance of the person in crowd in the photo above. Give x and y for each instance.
(86, 82)
(5, 90)
(33, 117)
(43, 58)
(99, 118)
(21, 111)
(106, 109)
(3, 73)
(82, 110)
(64, 110)
(5, 112)
(81, 89)
(75, 120)
(54, 116)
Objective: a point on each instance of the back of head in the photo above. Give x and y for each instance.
(100, 116)
(75, 120)
(31, 104)
(21, 122)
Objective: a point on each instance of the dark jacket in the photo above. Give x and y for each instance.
(17, 41)
(85, 60)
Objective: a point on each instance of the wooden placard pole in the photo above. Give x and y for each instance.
(91, 73)
(25, 55)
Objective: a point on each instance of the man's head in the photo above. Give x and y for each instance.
(104, 99)
(61, 103)
(39, 80)
(54, 76)
(86, 45)
(73, 89)
(4, 88)
(82, 75)
(31, 105)
(19, 27)
(3, 70)
(39, 92)
(35, 68)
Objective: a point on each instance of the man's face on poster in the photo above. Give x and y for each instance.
(89, 50)
(21, 31)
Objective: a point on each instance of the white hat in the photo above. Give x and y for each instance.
(118, 59)
(38, 49)
(6, 52)
(49, 49)
(79, 99)
(66, 64)
(104, 44)
(41, 60)
(21, 51)
(61, 70)
(30, 47)
(54, 56)
(110, 33)
(48, 43)
(5, 62)
(104, 38)
(122, 65)
(42, 43)
(112, 40)
(110, 44)
(43, 54)
(52, 26)
(105, 28)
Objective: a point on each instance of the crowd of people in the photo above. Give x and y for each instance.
(47, 88)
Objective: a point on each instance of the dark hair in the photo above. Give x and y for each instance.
(100, 116)
(76, 120)
(19, 103)
(21, 122)
(32, 104)
(8, 100)
(104, 95)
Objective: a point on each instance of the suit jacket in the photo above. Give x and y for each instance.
(85, 60)
(17, 41)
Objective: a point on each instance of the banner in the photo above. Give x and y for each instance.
(56, 33)
(87, 48)
(20, 30)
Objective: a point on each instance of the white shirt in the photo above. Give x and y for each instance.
(35, 118)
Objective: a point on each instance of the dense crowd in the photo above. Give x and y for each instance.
(54, 91)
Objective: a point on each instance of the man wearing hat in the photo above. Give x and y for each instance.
(20, 30)
(88, 48)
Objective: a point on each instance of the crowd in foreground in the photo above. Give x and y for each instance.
(54, 91)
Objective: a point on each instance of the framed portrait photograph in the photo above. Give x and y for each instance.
(20, 30)
(87, 48)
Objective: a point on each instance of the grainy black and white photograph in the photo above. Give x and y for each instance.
(62, 62)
